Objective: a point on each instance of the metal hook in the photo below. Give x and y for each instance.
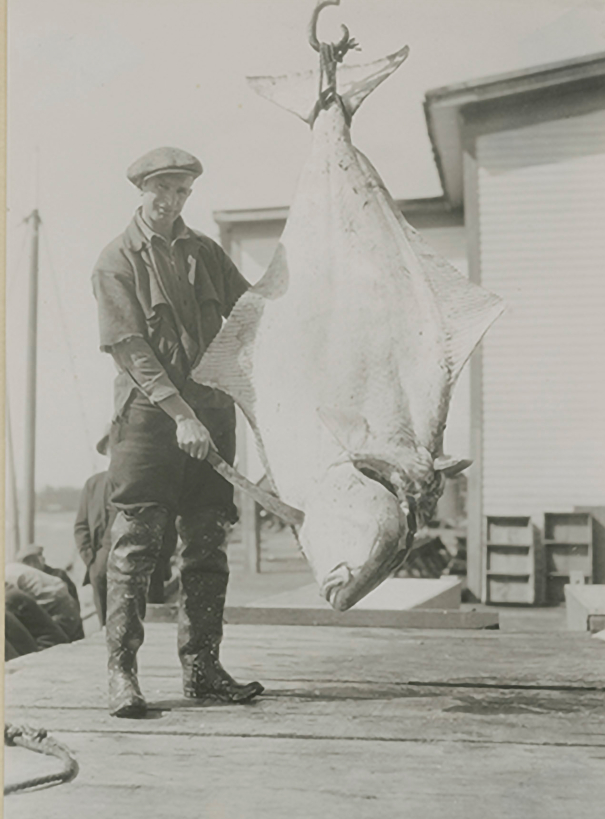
(313, 26)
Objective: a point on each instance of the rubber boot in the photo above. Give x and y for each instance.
(137, 539)
(204, 676)
(204, 574)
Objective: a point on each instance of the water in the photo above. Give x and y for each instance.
(55, 532)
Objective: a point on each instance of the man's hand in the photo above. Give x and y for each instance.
(193, 437)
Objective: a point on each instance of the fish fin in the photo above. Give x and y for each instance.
(350, 429)
(298, 93)
(294, 92)
(467, 309)
(356, 82)
(450, 466)
(228, 362)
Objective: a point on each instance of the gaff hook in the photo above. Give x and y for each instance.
(343, 44)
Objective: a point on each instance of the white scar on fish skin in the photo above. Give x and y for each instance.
(353, 340)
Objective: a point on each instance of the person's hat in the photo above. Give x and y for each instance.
(163, 160)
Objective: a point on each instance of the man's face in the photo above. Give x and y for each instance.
(163, 199)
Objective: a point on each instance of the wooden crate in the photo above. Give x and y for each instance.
(513, 562)
(569, 547)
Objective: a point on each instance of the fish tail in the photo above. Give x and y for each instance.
(298, 93)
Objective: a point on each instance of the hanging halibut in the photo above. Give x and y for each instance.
(344, 356)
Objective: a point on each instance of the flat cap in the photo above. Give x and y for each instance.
(163, 160)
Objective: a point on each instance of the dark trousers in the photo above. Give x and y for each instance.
(17, 639)
(97, 571)
(149, 471)
(36, 621)
(148, 468)
(161, 573)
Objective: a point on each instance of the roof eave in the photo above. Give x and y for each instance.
(444, 107)
(437, 206)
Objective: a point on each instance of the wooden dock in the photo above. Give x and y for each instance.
(356, 723)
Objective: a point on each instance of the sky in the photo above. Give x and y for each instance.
(94, 84)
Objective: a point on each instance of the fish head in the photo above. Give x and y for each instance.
(414, 476)
(354, 534)
(399, 462)
(361, 518)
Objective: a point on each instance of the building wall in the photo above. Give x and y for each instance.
(541, 200)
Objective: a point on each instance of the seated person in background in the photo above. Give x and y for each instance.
(50, 593)
(34, 556)
(92, 531)
(31, 618)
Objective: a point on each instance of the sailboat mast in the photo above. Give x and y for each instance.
(13, 540)
(30, 395)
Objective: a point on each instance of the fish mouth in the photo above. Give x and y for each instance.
(339, 578)
(344, 586)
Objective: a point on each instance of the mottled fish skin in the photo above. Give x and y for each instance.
(344, 356)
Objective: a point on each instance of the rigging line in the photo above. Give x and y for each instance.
(68, 343)
(15, 271)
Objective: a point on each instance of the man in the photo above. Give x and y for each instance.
(162, 291)
(91, 532)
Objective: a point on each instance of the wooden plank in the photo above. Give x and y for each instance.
(394, 594)
(304, 613)
(355, 723)
(480, 658)
(475, 533)
(249, 778)
(383, 712)
(363, 618)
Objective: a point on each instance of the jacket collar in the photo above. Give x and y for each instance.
(139, 235)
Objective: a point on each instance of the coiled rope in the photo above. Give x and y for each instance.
(37, 739)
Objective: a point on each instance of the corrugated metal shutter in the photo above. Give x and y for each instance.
(542, 244)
